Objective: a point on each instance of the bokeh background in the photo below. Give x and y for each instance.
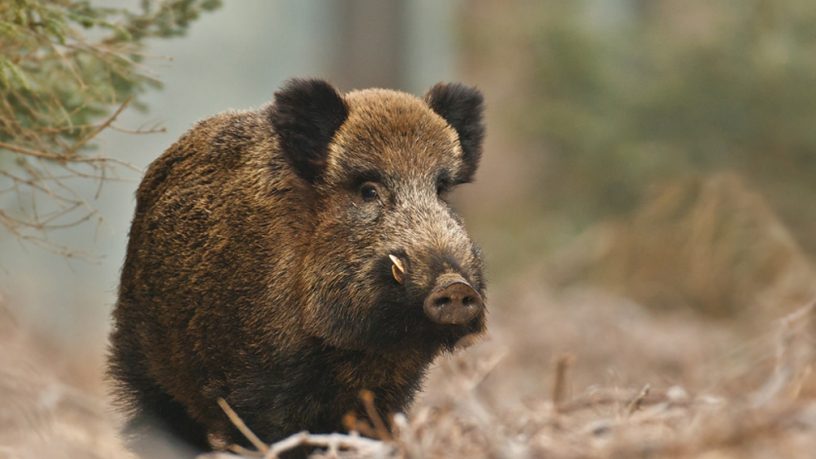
(647, 196)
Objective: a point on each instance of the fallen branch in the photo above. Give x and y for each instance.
(366, 447)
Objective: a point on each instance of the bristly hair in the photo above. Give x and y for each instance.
(305, 116)
(461, 106)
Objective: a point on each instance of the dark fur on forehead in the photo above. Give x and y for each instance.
(305, 116)
(461, 106)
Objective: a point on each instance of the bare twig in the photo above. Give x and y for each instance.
(365, 446)
(99, 128)
(239, 424)
(636, 402)
(562, 365)
(371, 411)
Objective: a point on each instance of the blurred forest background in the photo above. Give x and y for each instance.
(679, 132)
(658, 153)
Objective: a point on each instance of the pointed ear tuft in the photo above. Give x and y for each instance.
(461, 106)
(305, 116)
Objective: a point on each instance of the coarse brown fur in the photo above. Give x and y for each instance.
(257, 272)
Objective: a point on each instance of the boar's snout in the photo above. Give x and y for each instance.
(453, 301)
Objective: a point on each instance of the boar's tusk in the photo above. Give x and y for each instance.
(398, 263)
(397, 269)
(398, 275)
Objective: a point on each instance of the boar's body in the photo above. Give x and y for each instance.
(258, 271)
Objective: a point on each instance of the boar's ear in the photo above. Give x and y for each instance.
(462, 108)
(305, 116)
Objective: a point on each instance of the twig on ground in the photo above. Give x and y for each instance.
(562, 366)
(239, 424)
(636, 402)
(366, 446)
(371, 410)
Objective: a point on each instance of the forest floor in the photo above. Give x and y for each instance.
(576, 375)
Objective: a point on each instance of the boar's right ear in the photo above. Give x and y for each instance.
(305, 116)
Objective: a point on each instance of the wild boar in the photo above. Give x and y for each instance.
(284, 259)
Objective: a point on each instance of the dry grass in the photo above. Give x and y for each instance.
(41, 414)
(631, 385)
(710, 243)
(583, 375)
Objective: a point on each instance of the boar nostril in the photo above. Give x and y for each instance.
(442, 301)
(454, 302)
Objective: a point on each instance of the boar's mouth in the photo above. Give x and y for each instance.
(439, 314)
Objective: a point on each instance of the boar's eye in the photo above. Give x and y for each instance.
(368, 191)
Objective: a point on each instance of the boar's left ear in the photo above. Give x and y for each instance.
(305, 116)
(462, 108)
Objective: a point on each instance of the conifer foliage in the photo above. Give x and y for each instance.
(68, 68)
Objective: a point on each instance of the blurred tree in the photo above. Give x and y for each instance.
(67, 69)
(370, 43)
(624, 94)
